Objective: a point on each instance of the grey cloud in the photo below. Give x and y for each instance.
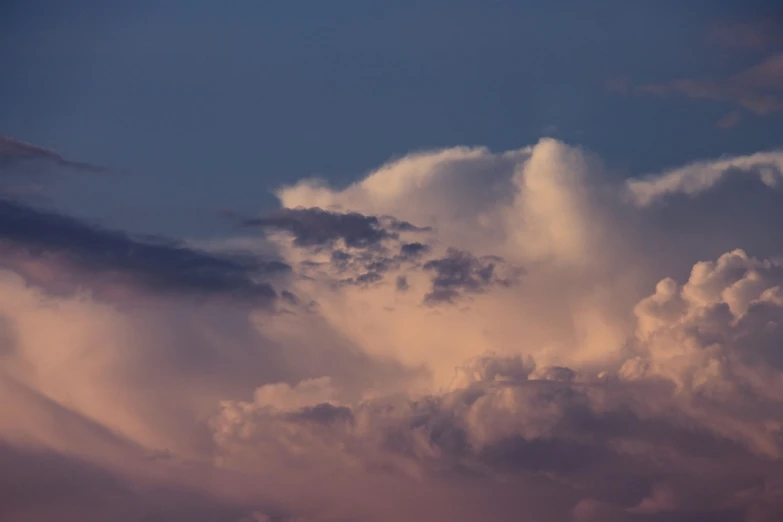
(318, 227)
(323, 413)
(517, 454)
(617, 442)
(402, 226)
(368, 253)
(413, 250)
(368, 241)
(14, 151)
(555, 373)
(460, 272)
(158, 265)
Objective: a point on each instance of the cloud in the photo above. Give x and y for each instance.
(410, 369)
(317, 227)
(724, 319)
(41, 243)
(757, 89)
(748, 35)
(729, 120)
(640, 448)
(704, 175)
(460, 272)
(476, 199)
(13, 152)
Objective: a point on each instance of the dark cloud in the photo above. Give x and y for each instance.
(461, 272)
(403, 226)
(413, 250)
(369, 278)
(517, 454)
(158, 265)
(318, 227)
(14, 151)
(368, 253)
(371, 246)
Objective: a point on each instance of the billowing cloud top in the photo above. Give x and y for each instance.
(461, 335)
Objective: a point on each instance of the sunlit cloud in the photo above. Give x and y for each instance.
(460, 335)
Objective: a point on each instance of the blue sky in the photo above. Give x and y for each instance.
(205, 107)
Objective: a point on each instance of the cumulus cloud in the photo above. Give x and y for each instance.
(461, 335)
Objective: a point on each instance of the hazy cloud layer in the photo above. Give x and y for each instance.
(462, 335)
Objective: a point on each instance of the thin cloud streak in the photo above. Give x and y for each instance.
(14, 151)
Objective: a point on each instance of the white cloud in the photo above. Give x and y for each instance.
(701, 176)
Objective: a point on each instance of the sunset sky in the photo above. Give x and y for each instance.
(405, 261)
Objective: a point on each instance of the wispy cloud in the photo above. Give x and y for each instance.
(14, 151)
(757, 89)
(748, 35)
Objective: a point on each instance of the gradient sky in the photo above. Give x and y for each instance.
(364, 261)
(205, 108)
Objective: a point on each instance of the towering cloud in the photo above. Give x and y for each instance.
(462, 335)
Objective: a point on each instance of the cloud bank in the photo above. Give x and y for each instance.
(460, 335)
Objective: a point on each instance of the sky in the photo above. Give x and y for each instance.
(234, 102)
(373, 261)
